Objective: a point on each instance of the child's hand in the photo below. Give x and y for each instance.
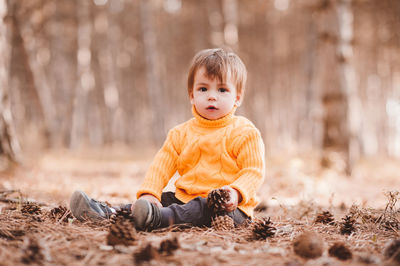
(149, 198)
(234, 200)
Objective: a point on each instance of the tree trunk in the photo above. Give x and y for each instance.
(348, 83)
(328, 70)
(230, 11)
(216, 21)
(9, 145)
(36, 89)
(85, 81)
(154, 89)
(100, 116)
(313, 109)
(63, 66)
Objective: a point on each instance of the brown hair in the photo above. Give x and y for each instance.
(218, 63)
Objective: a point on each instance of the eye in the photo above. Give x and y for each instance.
(222, 90)
(202, 89)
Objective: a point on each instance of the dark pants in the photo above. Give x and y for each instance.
(194, 212)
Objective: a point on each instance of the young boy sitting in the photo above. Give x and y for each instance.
(214, 150)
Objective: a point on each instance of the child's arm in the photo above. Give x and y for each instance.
(250, 151)
(161, 169)
(151, 199)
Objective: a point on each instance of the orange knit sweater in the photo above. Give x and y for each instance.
(209, 154)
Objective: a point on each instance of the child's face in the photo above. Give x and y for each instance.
(213, 99)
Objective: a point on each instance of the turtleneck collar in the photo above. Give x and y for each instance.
(203, 122)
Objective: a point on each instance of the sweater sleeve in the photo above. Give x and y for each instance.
(251, 161)
(161, 169)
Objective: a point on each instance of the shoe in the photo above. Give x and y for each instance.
(83, 207)
(146, 215)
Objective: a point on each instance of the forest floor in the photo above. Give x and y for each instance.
(295, 194)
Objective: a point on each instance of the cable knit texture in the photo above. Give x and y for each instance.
(209, 154)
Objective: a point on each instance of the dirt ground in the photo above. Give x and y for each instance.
(297, 190)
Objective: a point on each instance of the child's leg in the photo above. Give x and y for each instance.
(148, 216)
(195, 212)
(83, 207)
(168, 198)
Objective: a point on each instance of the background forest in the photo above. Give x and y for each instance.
(322, 74)
(90, 88)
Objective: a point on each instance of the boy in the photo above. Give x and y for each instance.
(213, 150)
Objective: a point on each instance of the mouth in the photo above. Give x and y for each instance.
(211, 107)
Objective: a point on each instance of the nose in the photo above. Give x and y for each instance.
(212, 96)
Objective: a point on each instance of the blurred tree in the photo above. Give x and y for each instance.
(86, 82)
(63, 66)
(347, 78)
(98, 72)
(9, 145)
(335, 77)
(27, 77)
(154, 84)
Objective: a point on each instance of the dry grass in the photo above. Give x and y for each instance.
(49, 237)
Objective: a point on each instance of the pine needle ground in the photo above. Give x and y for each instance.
(52, 237)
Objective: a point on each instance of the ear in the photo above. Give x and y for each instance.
(239, 98)
(191, 98)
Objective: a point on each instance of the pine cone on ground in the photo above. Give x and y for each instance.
(261, 207)
(348, 225)
(396, 258)
(325, 217)
(146, 254)
(309, 245)
(262, 229)
(32, 252)
(216, 200)
(121, 215)
(31, 208)
(391, 248)
(391, 224)
(340, 251)
(168, 246)
(60, 212)
(222, 223)
(122, 232)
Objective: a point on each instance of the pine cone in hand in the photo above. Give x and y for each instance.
(222, 223)
(262, 228)
(216, 201)
(31, 208)
(122, 232)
